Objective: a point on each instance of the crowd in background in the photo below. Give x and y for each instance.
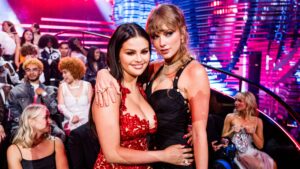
(47, 89)
(35, 69)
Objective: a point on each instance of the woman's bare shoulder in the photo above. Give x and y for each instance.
(14, 150)
(231, 116)
(195, 69)
(257, 120)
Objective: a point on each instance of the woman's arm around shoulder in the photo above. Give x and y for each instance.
(60, 154)
(14, 157)
(196, 85)
(108, 130)
(104, 95)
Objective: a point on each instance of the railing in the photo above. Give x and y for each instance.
(291, 112)
(83, 32)
(83, 39)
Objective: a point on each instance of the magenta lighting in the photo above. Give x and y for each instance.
(77, 21)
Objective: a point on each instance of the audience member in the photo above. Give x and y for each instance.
(4, 141)
(32, 91)
(96, 60)
(64, 49)
(49, 55)
(74, 100)
(35, 28)
(7, 45)
(77, 50)
(3, 114)
(74, 94)
(9, 28)
(4, 90)
(27, 38)
(244, 128)
(33, 146)
(8, 73)
(29, 51)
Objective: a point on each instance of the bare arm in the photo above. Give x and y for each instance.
(61, 104)
(18, 49)
(198, 92)
(90, 92)
(60, 155)
(257, 135)
(104, 94)
(14, 157)
(227, 131)
(108, 130)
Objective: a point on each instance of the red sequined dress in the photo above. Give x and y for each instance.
(133, 131)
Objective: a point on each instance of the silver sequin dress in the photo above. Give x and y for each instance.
(248, 157)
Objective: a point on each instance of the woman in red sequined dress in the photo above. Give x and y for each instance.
(122, 127)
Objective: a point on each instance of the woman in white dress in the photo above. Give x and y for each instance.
(74, 94)
(74, 99)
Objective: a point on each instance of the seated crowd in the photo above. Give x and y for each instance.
(49, 83)
(46, 92)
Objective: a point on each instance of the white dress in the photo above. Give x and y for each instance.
(79, 106)
(248, 157)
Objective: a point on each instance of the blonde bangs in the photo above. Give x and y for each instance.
(170, 16)
(159, 17)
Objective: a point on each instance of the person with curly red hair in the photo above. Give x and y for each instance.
(74, 94)
(74, 98)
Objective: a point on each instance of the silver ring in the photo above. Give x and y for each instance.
(102, 90)
(185, 161)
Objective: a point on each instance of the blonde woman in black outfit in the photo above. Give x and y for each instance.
(32, 146)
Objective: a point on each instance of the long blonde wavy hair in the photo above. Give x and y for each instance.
(25, 134)
(250, 101)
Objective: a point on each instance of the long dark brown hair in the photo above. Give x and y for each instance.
(121, 35)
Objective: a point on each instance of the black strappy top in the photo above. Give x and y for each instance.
(172, 111)
(47, 162)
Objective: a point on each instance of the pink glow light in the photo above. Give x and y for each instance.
(77, 21)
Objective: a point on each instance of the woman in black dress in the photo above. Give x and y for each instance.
(178, 90)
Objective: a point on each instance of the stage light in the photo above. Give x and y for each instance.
(7, 14)
(105, 7)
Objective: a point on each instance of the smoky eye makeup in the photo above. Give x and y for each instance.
(145, 51)
(130, 53)
(169, 33)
